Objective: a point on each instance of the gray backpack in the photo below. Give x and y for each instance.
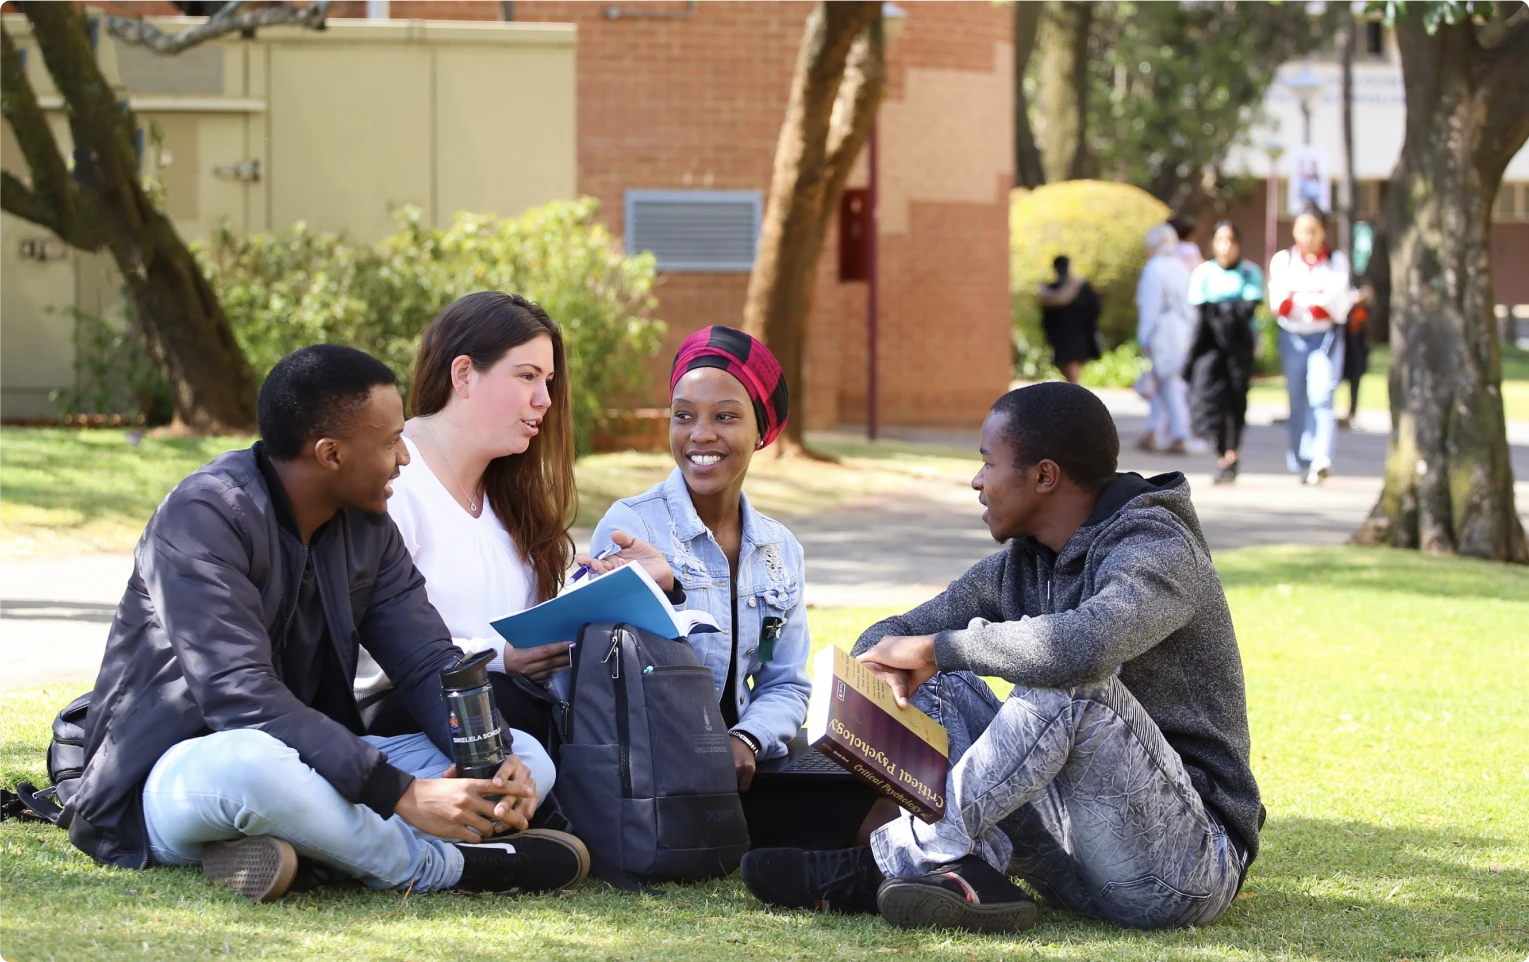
(646, 766)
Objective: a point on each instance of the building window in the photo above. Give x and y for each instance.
(1512, 202)
(695, 230)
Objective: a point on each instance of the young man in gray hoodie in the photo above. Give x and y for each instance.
(1114, 778)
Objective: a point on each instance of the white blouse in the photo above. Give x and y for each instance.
(474, 572)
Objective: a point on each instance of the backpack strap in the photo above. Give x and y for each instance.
(30, 805)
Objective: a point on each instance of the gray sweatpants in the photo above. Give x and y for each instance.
(1078, 793)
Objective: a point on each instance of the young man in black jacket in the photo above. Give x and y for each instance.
(222, 730)
(1115, 777)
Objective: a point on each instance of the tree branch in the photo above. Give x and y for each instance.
(1506, 91)
(1028, 171)
(52, 201)
(18, 199)
(231, 19)
(855, 106)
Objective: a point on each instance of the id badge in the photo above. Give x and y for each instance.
(768, 635)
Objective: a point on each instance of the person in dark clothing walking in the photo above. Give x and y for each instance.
(1356, 350)
(222, 731)
(1115, 777)
(1070, 318)
(1226, 291)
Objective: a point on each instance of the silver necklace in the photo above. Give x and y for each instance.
(472, 504)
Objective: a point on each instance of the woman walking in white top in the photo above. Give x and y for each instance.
(1309, 294)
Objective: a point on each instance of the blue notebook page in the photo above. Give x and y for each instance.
(627, 595)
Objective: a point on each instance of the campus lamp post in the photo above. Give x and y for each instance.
(892, 18)
(1272, 150)
(1307, 86)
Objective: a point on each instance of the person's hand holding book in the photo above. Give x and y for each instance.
(904, 662)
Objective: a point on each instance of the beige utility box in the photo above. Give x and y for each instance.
(338, 128)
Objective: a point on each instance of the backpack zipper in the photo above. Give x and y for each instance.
(573, 684)
(623, 732)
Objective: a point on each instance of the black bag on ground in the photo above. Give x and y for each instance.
(66, 763)
(646, 769)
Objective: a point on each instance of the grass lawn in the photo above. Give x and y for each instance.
(1388, 716)
(68, 492)
(1375, 390)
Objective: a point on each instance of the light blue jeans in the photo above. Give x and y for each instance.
(245, 782)
(1078, 792)
(1313, 366)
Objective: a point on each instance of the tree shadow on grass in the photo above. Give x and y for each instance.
(1376, 570)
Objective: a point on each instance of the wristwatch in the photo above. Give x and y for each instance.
(748, 739)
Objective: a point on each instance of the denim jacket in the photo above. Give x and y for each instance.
(771, 575)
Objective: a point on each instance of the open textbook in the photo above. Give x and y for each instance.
(853, 719)
(628, 595)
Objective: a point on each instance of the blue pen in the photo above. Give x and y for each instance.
(605, 553)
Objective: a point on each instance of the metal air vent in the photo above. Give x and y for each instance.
(695, 230)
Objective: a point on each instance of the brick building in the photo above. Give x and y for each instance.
(687, 99)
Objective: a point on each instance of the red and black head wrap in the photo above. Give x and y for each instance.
(745, 358)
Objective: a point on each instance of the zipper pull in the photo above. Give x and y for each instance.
(614, 653)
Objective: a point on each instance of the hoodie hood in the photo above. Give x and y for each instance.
(1128, 498)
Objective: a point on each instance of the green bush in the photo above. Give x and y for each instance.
(1102, 227)
(1117, 368)
(284, 290)
(116, 373)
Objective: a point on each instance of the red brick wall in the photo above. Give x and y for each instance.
(1510, 252)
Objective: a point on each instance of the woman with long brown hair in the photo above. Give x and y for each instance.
(485, 503)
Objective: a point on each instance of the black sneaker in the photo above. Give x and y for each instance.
(259, 867)
(536, 860)
(842, 880)
(967, 894)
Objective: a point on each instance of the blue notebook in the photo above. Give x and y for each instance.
(628, 594)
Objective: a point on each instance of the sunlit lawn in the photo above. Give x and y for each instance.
(1388, 715)
(1375, 393)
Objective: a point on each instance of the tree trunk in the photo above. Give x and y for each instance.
(1448, 480)
(837, 86)
(213, 383)
(1062, 107)
(1348, 212)
(1028, 170)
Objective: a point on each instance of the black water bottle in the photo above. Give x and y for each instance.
(478, 744)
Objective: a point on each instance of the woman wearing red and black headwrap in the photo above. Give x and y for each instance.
(728, 399)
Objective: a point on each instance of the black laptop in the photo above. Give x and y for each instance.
(801, 767)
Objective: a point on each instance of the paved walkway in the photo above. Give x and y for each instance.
(891, 551)
(903, 550)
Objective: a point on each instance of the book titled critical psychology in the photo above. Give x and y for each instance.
(854, 720)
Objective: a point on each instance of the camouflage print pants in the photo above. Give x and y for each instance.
(1078, 793)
